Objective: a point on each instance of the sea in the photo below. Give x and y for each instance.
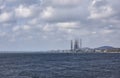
(59, 65)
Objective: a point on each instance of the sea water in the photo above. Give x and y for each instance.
(59, 65)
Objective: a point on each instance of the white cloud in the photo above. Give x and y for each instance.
(47, 13)
(106, 32)
(26, 27)
(23, 11)
(61, 27)
(2, 34)
(48, 28)
(4, 17)
(33, 21)
(67, 25)
(16, 28)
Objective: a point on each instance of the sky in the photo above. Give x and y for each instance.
(41, 25)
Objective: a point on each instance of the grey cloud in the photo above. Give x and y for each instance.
(99, 3)
(67, 15)
(54, 20)
(24, 2)
(100, 9)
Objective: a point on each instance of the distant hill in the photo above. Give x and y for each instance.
(105, 47)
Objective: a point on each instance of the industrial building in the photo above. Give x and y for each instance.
(76, 45)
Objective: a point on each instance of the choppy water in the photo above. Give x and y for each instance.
(61, 65)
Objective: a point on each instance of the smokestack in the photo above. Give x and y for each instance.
(80, 43)
(76, 45)
(71, 45)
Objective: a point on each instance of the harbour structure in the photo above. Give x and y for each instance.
(76, 45)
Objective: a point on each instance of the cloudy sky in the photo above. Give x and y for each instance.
(33, 25)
